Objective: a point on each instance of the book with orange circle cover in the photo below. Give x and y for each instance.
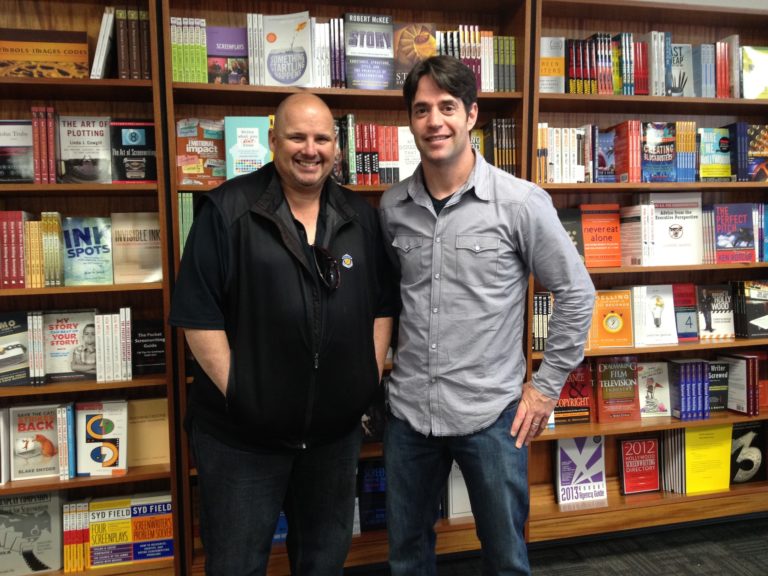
(611, 320)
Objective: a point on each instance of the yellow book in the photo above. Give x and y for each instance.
(110, 531)
(707, 459)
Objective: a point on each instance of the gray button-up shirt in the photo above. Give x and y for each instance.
(464, 275)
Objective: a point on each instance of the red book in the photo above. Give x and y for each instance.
(639, 465)
(576, 402)
(686, 317)
(616, 389)
(36, 150)
(374, 152)
(50, 123)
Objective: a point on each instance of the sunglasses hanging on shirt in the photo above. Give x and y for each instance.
(327, 267)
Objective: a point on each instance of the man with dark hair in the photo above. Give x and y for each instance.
(283, 294)
(466, 236)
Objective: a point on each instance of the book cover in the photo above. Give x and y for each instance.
(134, 159)
(16, 151)
(457, 496)
(653, 389)
(34, 442)
(148, 432)
(136, 247)
(676, 228)
(102, 438)
(14, 349)
(200, 157)
(707, 459)
(601, 233)
(147, 346)
(617, 389)
(104, 45)
(734, 233)
(580, 470)
(658, 159)
(682, 70)
(407, 153)
(654, 315)
(570, 218)
(87, 250)
(84, 149)
(605, 157)
(753, 309)
(718, 385)
(110, 532)
(611, 319)
(69, 341)
(227, 49)
(246, 140)
(413, 43)
(576, 403)
(748, 458)
(715, 311)
(371, 489)
(369, 51)
(754, 72)
(686, 317)
(639, 465)
(287, 41)
(151, 526)
(39, 53)
(757, 152)
(552, 65)
(31, 530)
(714, 154)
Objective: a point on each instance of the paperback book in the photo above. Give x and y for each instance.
(748, 457)
(686, 318)
(369, 51)
(654, 315)
(715, 311)
(246, 139)
(14, 349)
(148, 346)
(148, 432)
(34, 442)
(612, 324)
(616, 389)
(87, 250)
(653, 389)
(754, 71)
(734, 233)
(102, 438)
(134, 159)
(639, 465)
(69, 341)
(714, 155)
(580, 471)
(16, 151)
(658, 159)
(136, 247)
(718, 385)
(31, 529)
(227, 49)
(200, 157)
(287, 49)
(576, 402)
(84, 149)
(40, 53)
(413, 43)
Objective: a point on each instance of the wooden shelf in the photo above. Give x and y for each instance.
(156, 568)
(57, 388)
(79, 189)
(683, 268)
(634, 187)
(138, 474)
(608, 104)
(95, 289)
(55, 89)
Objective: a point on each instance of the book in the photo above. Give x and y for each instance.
(136, 247)
(369, 51)
(639, 468)
(686, 317)
(653, 319)
(616, 389)
(580, 471)
(371, 489)
(31, 526)
(110, 532)
(14, 349)
(748, 457)
(102, 438)
(227, 50)
(148, 432)
(605, 156)
(675, 228)
(69, 342)
(576, 402)
(34, 441)
(734, 233)
(87, 250)
(151, 526)
(750, 308)
(457, 496)
(147, 346)
(653, 389)
(707, 459)
(104, 45)
(714, 155)
(84, 149)
(658, 159)
(682, 70)
(414, 42)
(570, 218)
(5, 448)
(757, 152)
(200, 156)
(718, 385)
(715, 311)
(246, 141)
(40, 53)
(754, 71)
(134, 158)
(16, 151)
(611, 319)
(601, 233)
(287, 43)
(552, 65)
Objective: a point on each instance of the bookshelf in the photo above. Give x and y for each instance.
(185, 99)
(689, 23)
(132, 99)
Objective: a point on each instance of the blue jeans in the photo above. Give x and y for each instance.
(496, 474)
(242, 493)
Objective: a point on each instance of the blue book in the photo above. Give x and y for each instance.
(658, 159)
(227, 50)
(605, 159)
(71, 448)
(246, 141)
(87, 250)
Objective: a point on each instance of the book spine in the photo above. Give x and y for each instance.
(145, 41)
(122, 43)
(50, 122)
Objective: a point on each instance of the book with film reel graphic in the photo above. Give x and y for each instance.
(102, 438)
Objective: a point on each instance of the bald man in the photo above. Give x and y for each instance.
(287, 303)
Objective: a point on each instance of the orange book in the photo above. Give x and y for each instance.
(600, 227)
(616, 389)
(27, 53)
(200, 157)
(611, 320)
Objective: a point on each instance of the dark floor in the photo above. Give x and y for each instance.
(732, 548)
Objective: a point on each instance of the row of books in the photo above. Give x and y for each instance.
(123, 44)
(363, 51)
(667, 229)
(122, 248)
(84, 534)
(683, 461)
(636, 151)
(77, 149)
(651, 64)
(89, 438)
(65, 345)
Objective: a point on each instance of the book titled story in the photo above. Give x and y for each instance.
(369, 51)
(69, 340)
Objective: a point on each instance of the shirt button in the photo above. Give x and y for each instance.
(437, 276)
(477, 248)
(434, 380)
(437, 240)
(433, 346)
(434, 310)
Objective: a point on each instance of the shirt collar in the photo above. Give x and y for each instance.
(476, 183)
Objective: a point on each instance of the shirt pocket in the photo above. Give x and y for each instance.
(477, 259)
(410, 253)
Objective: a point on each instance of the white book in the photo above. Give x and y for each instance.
(580, 471)
(102, 438)
(287, 56)
(654, 315)
(98, 321)
(109, 373)
(458, 497)
(105, 44)
(117, 362)
(408, 155)
(653, 388)
(5, 449)
(676, 229)
(34, 441)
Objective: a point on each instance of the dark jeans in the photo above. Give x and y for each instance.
(496, 474)
(242, 492)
